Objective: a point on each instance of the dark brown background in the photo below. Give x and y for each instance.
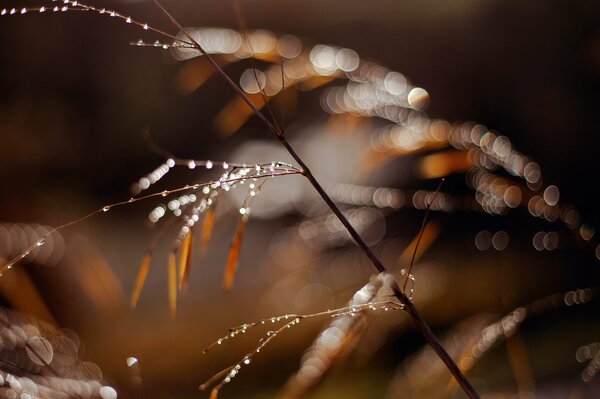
(74, 97)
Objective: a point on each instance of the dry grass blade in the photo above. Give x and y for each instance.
(185, 257)
(141, 279)
(172, 280)
(234, 255)
(207, 228)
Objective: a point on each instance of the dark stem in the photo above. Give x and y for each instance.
(416, 318)
(418, 322)
(220, 71)
(421, 230)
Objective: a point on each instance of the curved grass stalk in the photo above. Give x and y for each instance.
(194, 187)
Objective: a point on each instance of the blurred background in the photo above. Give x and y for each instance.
(76, 98)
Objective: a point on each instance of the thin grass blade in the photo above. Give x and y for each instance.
(172, 281)
(234, 255)
(185, 257)
(141, 279)
(207, 228)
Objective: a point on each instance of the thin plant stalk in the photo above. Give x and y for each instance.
(416, 318)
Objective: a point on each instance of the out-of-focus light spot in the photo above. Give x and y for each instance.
(323, 59)
(538, 240)
(260, 42)
(289, 46)
(466, 363)
(486, 142)
(583, 353)
(502, 147)
(13, 382)
(39, 350)
(569, 298)
(500, 240)
(251, 79)
(395, 83)
(439, 130)
(550, 241)
(587, 231)
(598, 252)
(532, 172)
(144, 183)
(418, 98)
(551, 195)
(477, 133)
(347, 60)
(157, 213)
(107, 392)
(212, 40)
(131, 361)
(533, 205)
(16, 238)
(513, 196)
(570, 216)
(483, 240)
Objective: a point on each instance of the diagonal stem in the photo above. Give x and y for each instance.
(416, 318)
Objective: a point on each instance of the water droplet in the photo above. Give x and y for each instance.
(128, 20)
(145, 26)
(106, 208)
(209, 164)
